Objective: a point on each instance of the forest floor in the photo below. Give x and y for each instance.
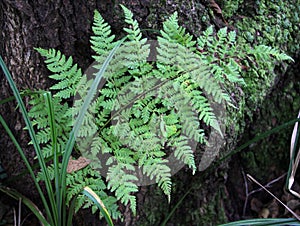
(248, 200)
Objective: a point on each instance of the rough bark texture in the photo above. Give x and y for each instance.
(25, 25)
(66, 25)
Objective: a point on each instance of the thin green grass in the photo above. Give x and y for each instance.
(264, 222)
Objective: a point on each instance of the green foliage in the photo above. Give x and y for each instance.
(277, 24)
(270, 23)
(145, 110)
(65, 72)
(103, 43)
(77, 181)
(56, 205)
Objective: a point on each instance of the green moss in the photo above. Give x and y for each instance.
(273, 23)
(212, 212)
(231, 7)
(272, 153)
(276, 24)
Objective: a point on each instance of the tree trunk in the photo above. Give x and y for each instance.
(66, 25)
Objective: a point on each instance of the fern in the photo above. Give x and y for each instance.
(156, 168)
(176, 34)
(183, 151)
(220, 52)
(76, 181)
(64, 70)
(102, 40)
(145, 112)
(134, 33)
(40, 119)
(263, 52)
(123, 184)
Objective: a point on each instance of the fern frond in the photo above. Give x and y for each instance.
(201, 105)
(181, 102)
(76, 181)
(65, 72)
(134, 33)
(177, 34)
(220, 53)
(264, 53)
(102, 41)
(183, 151)
(157, 168)
(135, 51)
(122, 183)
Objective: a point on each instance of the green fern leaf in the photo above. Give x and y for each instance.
(263, 52)
(123, 184)
(102, 40)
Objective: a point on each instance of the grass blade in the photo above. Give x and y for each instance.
(95, 198)
(35, 210)
(79, 121)
(293, 162)
(27, 164)
(71, 211)
(33, 139)
(86, 104)
(57, 180)
(263, 222)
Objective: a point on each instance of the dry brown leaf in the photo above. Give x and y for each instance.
(77, 164)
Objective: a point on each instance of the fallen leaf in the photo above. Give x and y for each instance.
(77, 164)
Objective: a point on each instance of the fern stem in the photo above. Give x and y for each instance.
(131, 102)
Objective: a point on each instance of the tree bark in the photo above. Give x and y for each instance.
(66, 25)
(26, 25)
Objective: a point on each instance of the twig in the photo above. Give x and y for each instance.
(246, 191)
(269, 184)
(15, 217)
(290, 210)
(20, 210)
